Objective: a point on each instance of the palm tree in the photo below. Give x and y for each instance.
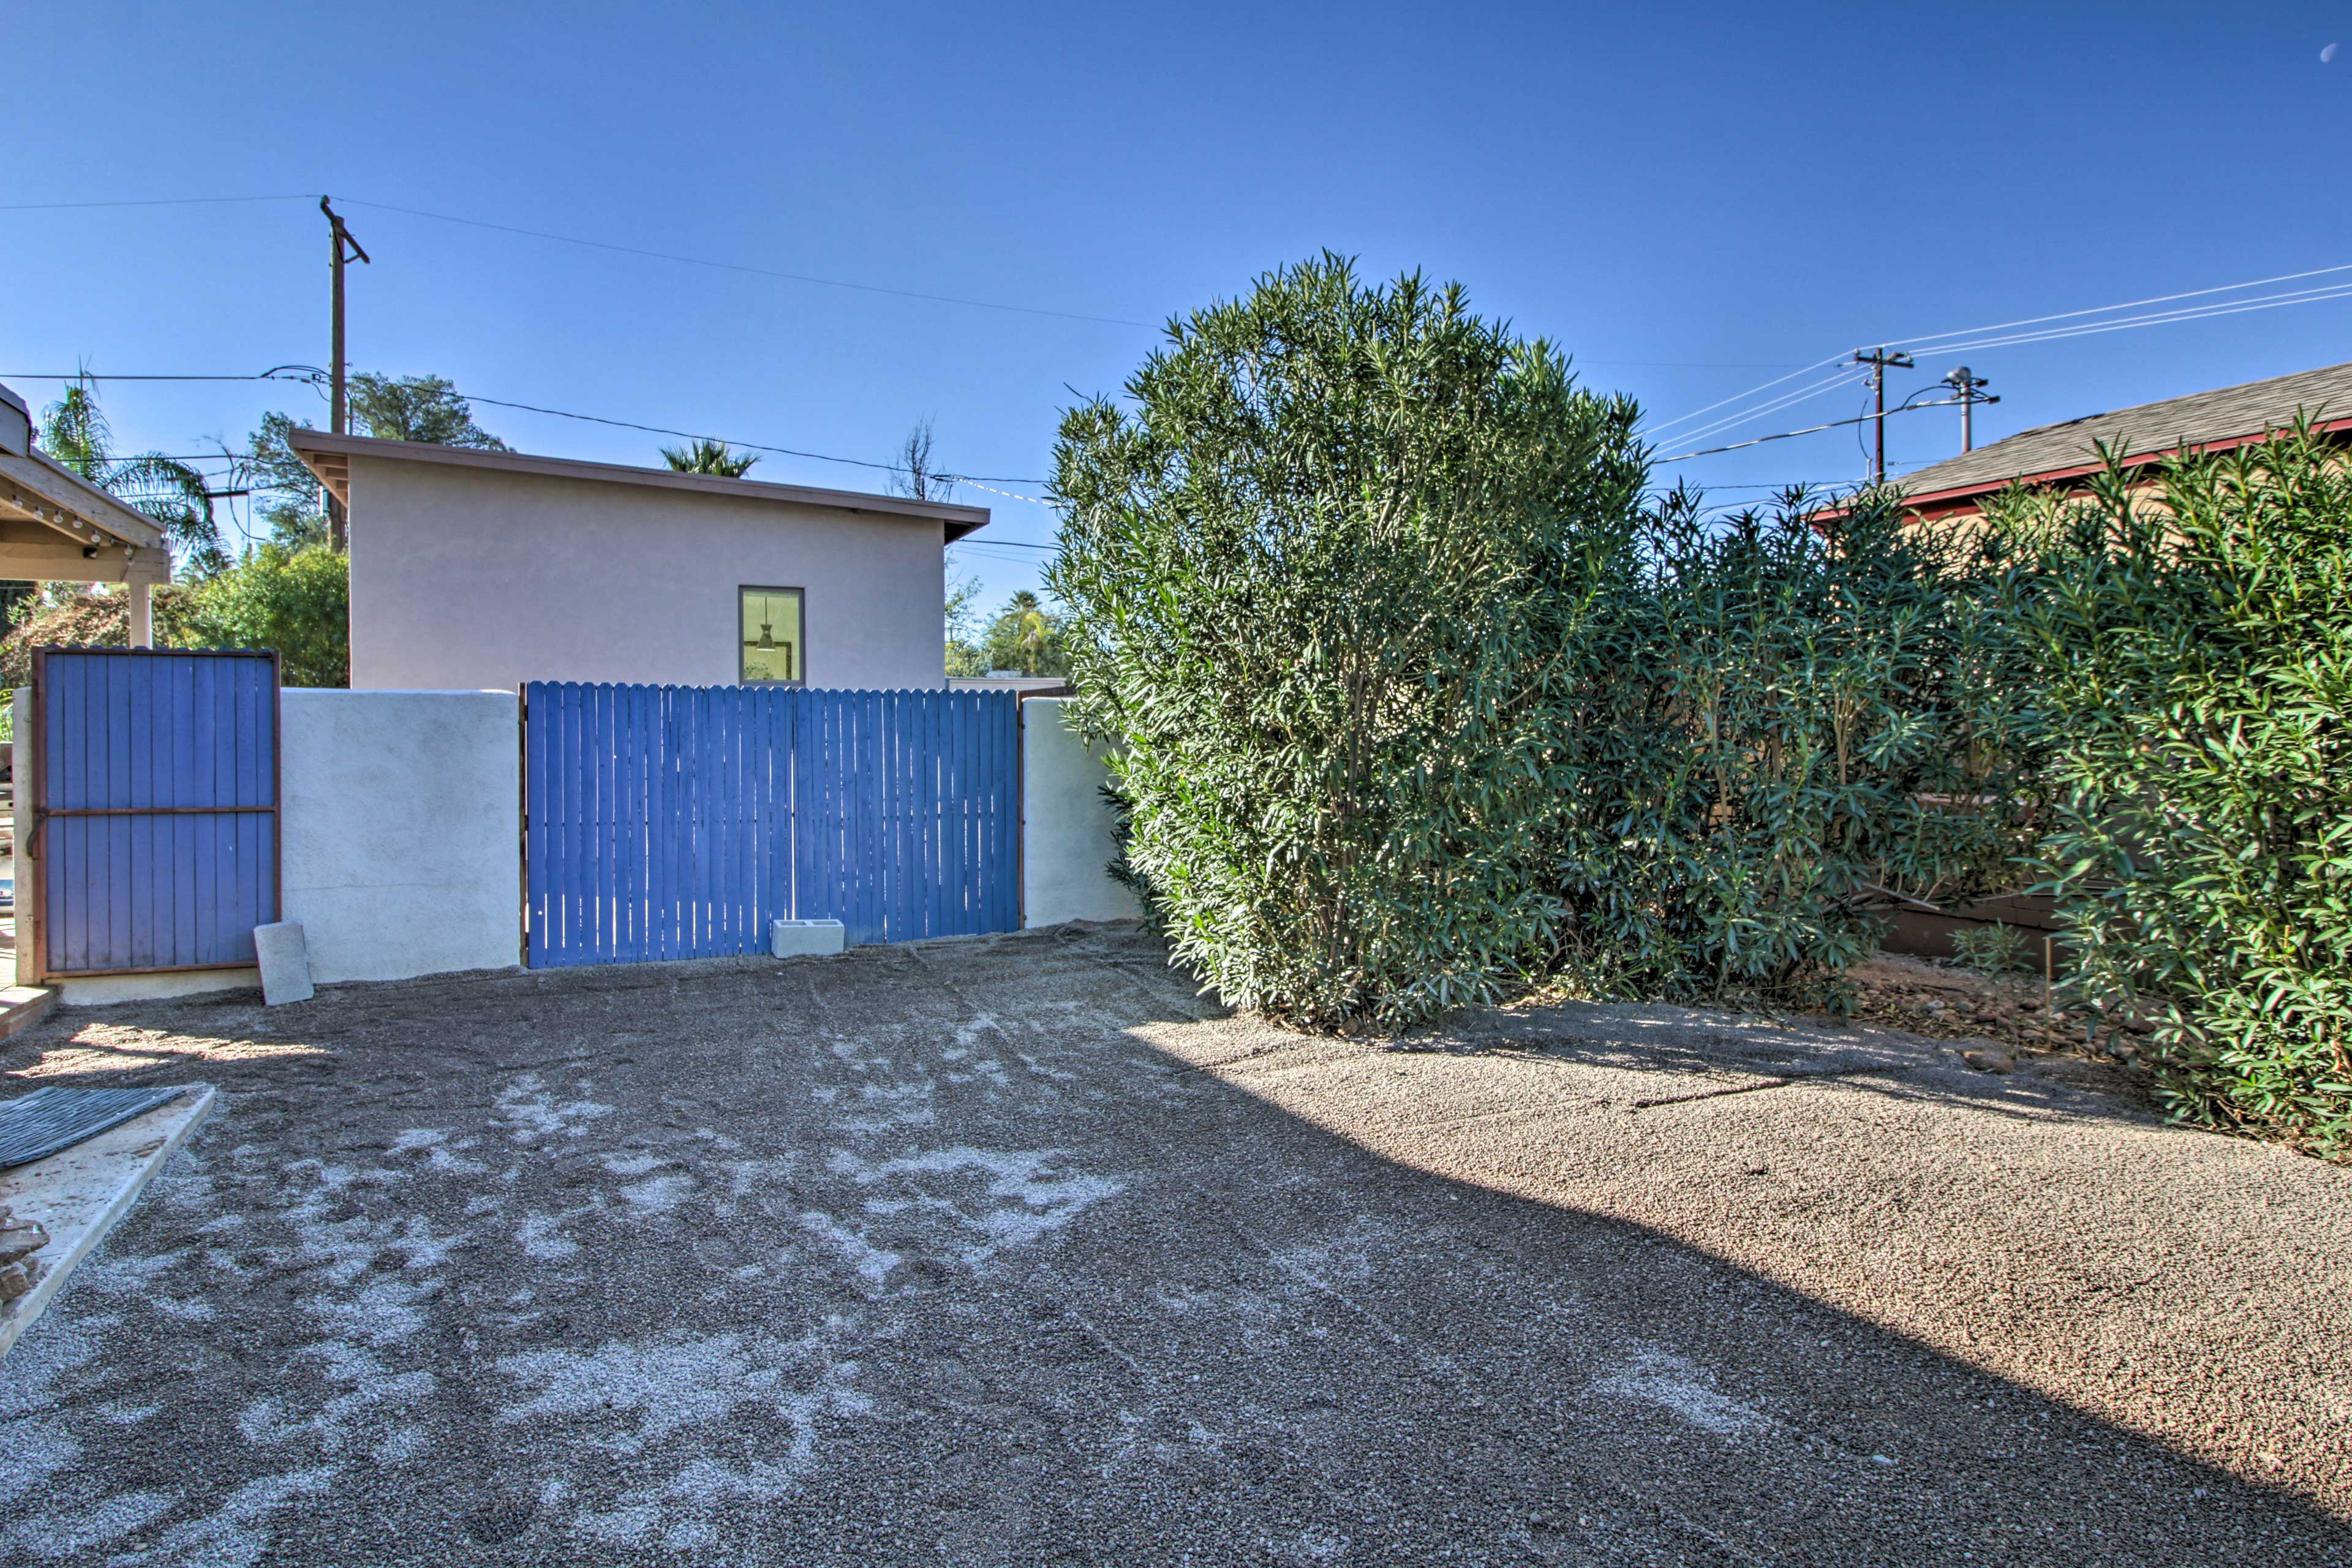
(74, 432)
(1028, 638)
(709, 456)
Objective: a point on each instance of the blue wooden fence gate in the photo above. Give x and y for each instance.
(153, 808)
(676, 822)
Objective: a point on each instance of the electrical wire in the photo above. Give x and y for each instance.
(2158, 318)
(2127, 305)
(314, 377)
(744, 446)
(1968, 339)
(1751, 392)
(160, 202)
(741, 267)
(606, 245)
(1846, 377)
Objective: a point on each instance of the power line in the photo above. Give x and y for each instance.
(755, 271)
(1742, 396)
(2128, 305)
(1808, 430)
(1690, 364)
(2155, 319)
(95, 375)
(2160, 318)
(607, 245)
(311, 376)
(159, 202)
(1956, 342)
(1846, 376)
(746, 446)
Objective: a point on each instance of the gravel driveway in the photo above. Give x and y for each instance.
(1013, 1252)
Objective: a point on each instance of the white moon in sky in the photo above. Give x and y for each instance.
(2327, 54)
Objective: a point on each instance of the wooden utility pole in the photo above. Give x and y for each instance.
(342, 247)
(1879, 361)
(1968, 385)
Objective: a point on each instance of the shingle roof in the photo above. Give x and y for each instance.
(2228, 413)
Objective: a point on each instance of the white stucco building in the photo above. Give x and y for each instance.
(473, 569)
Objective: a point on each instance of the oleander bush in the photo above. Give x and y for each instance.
(1413, 702)
(1808, 722)
(2190, 654)
(1410, 700)
(1335, 575)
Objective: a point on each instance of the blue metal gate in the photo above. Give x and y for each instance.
(676, 822)
(153, 799)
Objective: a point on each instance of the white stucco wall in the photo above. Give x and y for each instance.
(1065, 825)
(401, 822)
(403, 845)
(469, 578)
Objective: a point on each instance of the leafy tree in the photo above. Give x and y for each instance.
(295, 601)
(707, 457)
(1330, 578)
(288, 497)
(963, 655)
(418, 408)
(285, 494)
(1025, 637)
(75, 432)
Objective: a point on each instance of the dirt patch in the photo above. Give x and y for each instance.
(1944, 1001)
(1015, 1252)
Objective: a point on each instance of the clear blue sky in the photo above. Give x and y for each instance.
(1691, 199)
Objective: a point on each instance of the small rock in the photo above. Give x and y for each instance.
(1989, 1061)
(19, 1239)
(14, 1281)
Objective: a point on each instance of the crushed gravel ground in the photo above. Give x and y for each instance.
(1015, 1252)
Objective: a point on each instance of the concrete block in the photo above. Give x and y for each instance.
(790, 938)
(285, 962)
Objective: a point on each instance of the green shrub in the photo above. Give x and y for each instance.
(295, 601)
(1994, 949)
(2193, 657)
(1332, 583)
(1806, 724)
(91, 617)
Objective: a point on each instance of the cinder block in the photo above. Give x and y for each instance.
(790, 938)
(284, 958)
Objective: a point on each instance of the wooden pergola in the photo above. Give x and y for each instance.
(57, 527)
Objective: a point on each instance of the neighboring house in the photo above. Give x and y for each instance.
(2061, 456)
(474, 569)
(57, 527)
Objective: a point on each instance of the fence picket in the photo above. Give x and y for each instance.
(670, 822)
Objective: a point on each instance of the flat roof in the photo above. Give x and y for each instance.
(329, 456)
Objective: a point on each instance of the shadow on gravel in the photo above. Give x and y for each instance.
(1700, 1044)
(927, 1256)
